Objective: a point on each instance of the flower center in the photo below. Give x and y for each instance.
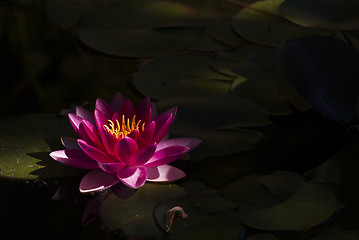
(125, 128)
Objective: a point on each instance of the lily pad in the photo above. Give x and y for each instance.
(68, 12)
(282, 201)
(177, 74)
(340, 172)
(218, 142)
(208, 216)
(25, 144)
(264, 93)
(322, 13)
(257, 78)
(139, 28)
(218, 33)
(263, 24)
(216, 111)
(133, 216)
(217, 121)
(332, 86)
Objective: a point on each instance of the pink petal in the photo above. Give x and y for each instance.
(75, 121)
(146, 136)
(103, 107)
(144, 111)
(163, 124)
(94, 152)
(109, 141)
(90, 134)
(134, 134)
(117, 101)
(127, 109)
(97, 180)
(111, 167)
(166, 155)
(74, 158)
(133, 177)
(187, 142)
(85, 114)
(143, 155)
(70, 143)
(125, 148)
(116, 116)
(164, 173)
(100, 119)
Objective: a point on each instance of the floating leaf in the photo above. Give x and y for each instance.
(218, 34)
(265, 25)
(25, 144)
(208, 217)
(257, 78)
(134, 215)
(324, 71)
(139, 28)
(264, 93)
(178, 74)
(216, 111)
(67, 12)
(215, 120)
(322, 13)
(341, 172)
(282, 201)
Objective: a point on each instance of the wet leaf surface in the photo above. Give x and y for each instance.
(322, 13)
(180, 74)
(282, 201)
(25, 144)
(128, 28)
(267, 27)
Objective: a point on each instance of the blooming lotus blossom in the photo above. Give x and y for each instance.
(121, 143)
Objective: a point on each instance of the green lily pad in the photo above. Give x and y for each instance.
(216, 111)
(68, 12)
(217, 142)
(178, 74)
(25, 144)
(282, 201)
(340, 172)
(217, 121)
(267, 27)
(139, 28)
(322, 13)
(134, 216)
(208, 216)
(218, 33)
(257, 78)
(264, 93)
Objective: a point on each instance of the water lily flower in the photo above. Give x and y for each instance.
(120, 143)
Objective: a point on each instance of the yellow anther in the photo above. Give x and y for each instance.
(125, 128)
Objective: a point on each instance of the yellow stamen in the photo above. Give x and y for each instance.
(126, 127)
